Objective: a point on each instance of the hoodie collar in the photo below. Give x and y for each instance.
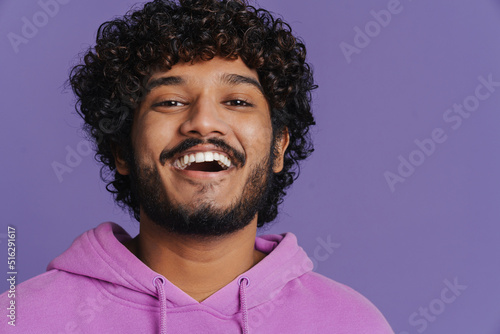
(100, 254)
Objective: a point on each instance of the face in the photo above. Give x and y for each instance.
(203, 144)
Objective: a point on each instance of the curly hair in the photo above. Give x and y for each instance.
(109, 81)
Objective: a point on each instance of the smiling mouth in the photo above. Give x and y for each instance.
(203, 162)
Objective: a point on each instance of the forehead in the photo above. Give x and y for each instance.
(218, 69)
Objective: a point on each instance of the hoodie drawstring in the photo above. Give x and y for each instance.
(243, 302)
(158, 283)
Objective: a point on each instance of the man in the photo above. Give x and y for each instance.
(200, 113)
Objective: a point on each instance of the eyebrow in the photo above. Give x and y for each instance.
(236, 79)
(164, 81)
(229, 79)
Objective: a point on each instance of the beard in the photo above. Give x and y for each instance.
(204, 218)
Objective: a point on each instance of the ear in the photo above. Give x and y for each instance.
(121, 164)
(280, 147)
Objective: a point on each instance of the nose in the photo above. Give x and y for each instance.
(205, 120)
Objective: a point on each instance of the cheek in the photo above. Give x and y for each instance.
(256, 136)
(150, 137)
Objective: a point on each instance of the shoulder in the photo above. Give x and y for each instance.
(49, 287)
(330, 290)
(44, 299)
(52, 282)
(344, 308)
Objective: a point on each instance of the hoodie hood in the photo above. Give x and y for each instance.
(99, 254)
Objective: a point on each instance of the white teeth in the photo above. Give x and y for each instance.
(209, 156)
(198, 157)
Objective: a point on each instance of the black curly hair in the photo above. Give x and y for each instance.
(110, 81)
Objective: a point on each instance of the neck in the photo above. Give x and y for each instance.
(198, 266)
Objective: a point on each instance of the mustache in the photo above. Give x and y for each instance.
(237, 157)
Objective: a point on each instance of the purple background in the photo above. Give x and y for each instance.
(395, 247)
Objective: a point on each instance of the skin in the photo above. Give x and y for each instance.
(198, 103)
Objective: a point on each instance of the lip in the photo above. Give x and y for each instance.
(199, 175)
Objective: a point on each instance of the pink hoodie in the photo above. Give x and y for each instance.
(98, 286)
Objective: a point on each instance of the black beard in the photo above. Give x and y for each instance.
(205, 220)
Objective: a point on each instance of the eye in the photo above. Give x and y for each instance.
(239, 103)
(169, 103)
